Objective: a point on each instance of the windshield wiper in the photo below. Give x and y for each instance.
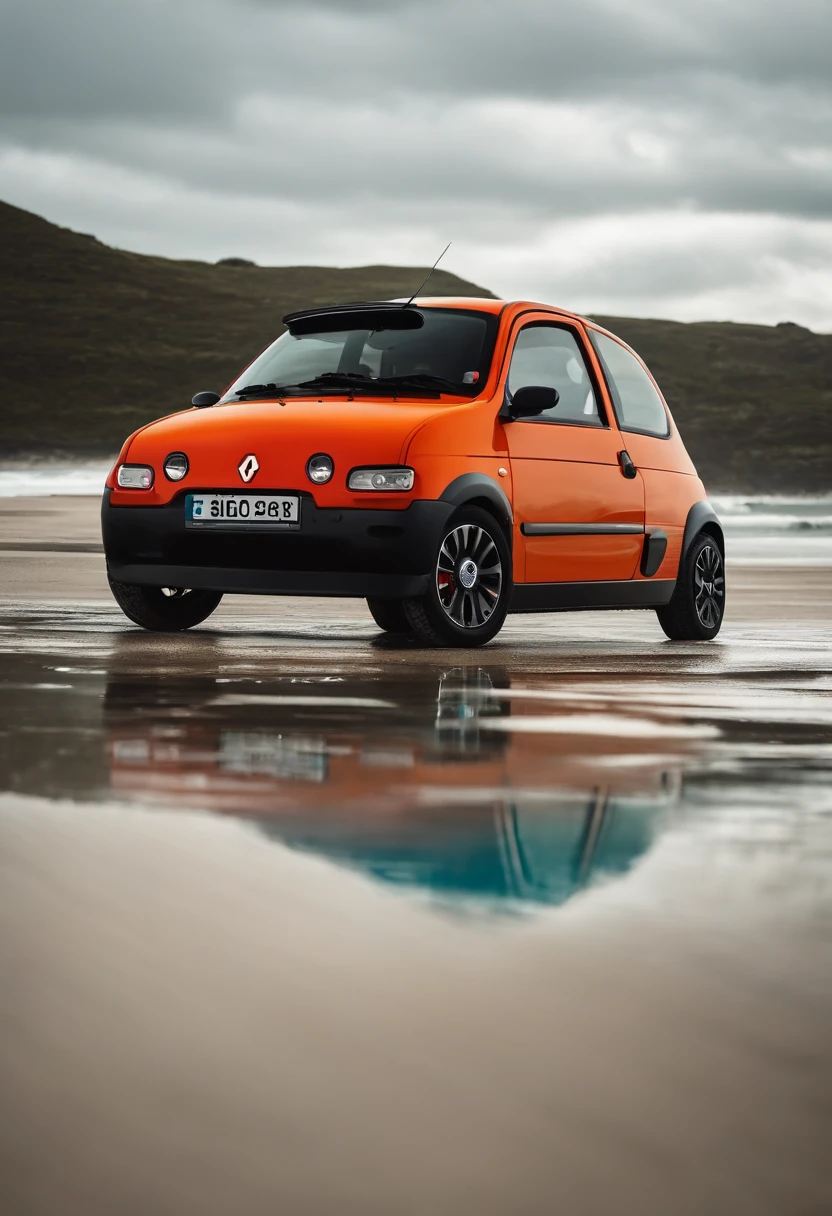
(352, 377)
(354, 382)
(420, 380)
(258, 390)
(334, 381)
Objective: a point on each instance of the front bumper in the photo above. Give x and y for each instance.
(344, 552)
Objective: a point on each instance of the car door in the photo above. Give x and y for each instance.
(580, 518)
(653, 443)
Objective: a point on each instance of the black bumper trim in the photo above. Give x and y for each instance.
(272, 582)
(346, 551)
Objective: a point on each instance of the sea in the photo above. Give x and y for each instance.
(759, 529)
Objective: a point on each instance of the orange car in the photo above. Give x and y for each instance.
(450, 460)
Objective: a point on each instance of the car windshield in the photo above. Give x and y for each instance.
(452, 348)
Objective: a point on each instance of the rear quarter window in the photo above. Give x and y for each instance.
(638, 405)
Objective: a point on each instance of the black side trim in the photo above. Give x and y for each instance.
(581, 529)
(477, 485)
(564, 597)
(702, 516)
(272, 582)
(655, 547)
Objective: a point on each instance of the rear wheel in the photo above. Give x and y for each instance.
(164, 609)
(470, 587)
(698, 605)
(388, 615)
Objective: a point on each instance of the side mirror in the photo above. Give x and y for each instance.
(530, 401)
(203, 400)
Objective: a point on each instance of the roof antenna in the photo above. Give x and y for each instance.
(430, 272)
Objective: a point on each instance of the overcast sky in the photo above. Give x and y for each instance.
(641, 157)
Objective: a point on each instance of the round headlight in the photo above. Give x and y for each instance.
(319, 468)
(176, 466)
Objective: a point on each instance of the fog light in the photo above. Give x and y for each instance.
(385, 480)
(176, 466)
(320, 468)
(134, 477)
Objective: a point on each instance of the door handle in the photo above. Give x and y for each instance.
(627, 467)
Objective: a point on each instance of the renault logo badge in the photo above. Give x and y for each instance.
(248, 467)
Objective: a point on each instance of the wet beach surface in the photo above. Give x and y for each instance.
(295, 917)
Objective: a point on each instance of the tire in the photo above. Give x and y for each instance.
(696, 611)
(388, 615)
(473, 546)
(164, 610)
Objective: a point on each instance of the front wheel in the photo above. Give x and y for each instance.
(698, 605)
(164, 609)
(470, 586)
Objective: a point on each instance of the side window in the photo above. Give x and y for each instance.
(550, 356)
(637, 404)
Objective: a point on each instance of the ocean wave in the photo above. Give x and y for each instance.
(778, 504)
(44, 480)
(776, 523)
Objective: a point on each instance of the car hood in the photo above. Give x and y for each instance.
(282, 437)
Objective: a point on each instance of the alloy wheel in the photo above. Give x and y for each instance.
(709, 587)
(469, 576)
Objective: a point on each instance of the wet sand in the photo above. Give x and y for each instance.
(296, 918)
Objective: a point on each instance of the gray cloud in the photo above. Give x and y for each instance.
(407, 119)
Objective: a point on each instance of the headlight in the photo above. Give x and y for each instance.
(176, 466)
(319, 468)
(134, 477)
(381, 479)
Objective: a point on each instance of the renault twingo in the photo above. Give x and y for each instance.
(449, 460)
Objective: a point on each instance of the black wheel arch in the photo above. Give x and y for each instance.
(480, 490)
(702, 518)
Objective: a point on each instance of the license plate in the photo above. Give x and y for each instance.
(290, 758)
(242, 511)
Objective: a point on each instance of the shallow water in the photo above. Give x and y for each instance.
(523, 780)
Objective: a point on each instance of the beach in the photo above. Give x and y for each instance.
(298, 917)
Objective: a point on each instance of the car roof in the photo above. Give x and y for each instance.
(469, 303)
(485, 304)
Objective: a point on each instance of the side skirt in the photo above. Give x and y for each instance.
(565, 597)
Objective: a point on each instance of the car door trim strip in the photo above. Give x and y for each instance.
(582, 529)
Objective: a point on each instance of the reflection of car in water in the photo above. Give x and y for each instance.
(423, 787)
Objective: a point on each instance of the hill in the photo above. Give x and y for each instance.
(753, 402)
(94, 341)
